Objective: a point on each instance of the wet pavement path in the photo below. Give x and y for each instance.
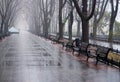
(28, 58)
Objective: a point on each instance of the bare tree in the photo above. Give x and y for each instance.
(48, 9)
(77, 18)
(71, 19)
(8, 11)
(114, 10)
(85, 17)
(61, 23)
(42, 13)
(98, 14)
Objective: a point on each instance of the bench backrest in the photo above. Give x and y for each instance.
(92, 48)
(76, 42)
(84, 46)
(114, 55)
(102, 51)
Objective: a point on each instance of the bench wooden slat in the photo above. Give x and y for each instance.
(114, 57)
(91, 51)
(102, 53)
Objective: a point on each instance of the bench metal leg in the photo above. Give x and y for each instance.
(97, 59)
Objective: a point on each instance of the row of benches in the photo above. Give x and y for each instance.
(56, 39)
(100, 53)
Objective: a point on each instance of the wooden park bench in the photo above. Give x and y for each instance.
(55, 39)
(73, 43)
(102, 54)
(68, 45)
(63, 41)
(114, 57)
(51, 37)
(91, 51)
(82, 48)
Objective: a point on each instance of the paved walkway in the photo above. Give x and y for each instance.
(28, 58)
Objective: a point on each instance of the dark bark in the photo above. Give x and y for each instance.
(2, 26)
(78, 28)
(85, 30)
(70, 25)
(114, 11)
(110, 39)
(70, 21)
(95, 28)
(60, 20)
(47, 11)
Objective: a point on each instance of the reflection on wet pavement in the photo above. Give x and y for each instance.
(28, 58)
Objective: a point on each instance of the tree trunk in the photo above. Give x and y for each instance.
(46, 32)
(85, 30)
(94, 30)
(114, 10)
(44, 28)
(110, 39)
(2, 26)
(70, 25)
(60, 20)
(6, 29)
(78, 28)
